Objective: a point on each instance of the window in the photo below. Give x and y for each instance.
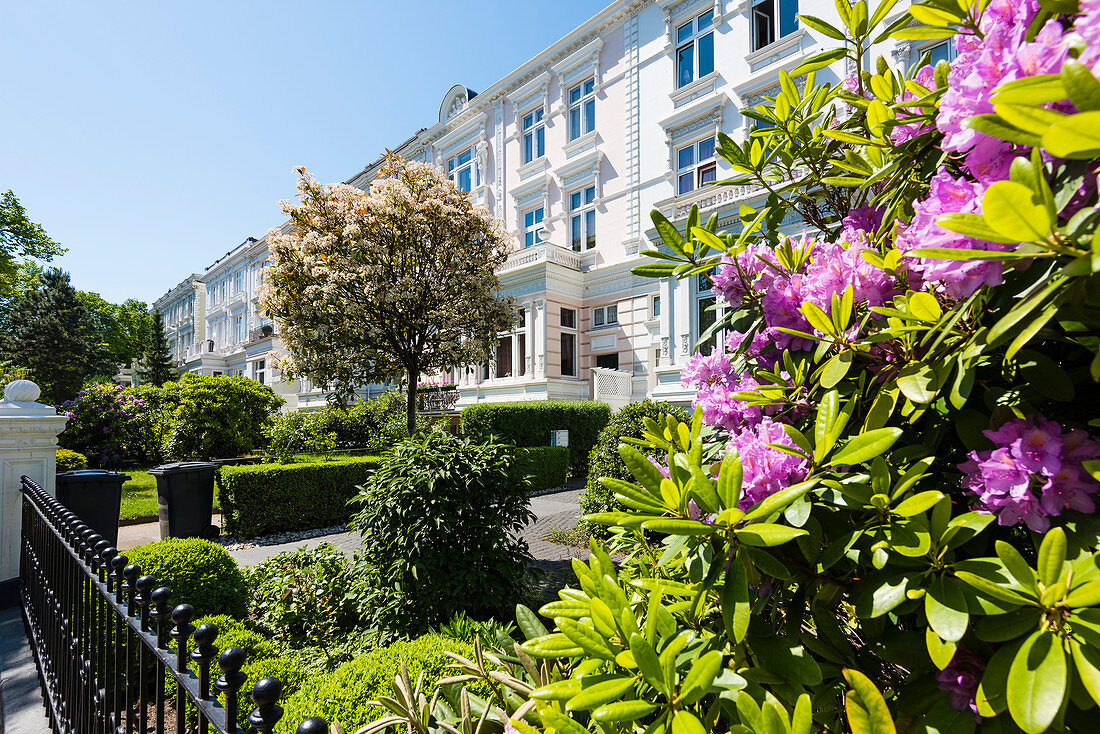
(511, 345)
(655, 310)
(462, 171)
(238, 281)
(608, 361)
(504, 356)
(695, 166)
(532, 227)
(582, 109)
(259, 371)
(771, 20)
(582, 218)
(568, 343)
(706, 311)
(695, 49)
(238, 329)
(943, 51)
(534, 136)
(605, 315)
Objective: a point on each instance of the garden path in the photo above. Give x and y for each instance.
(21, 707)
(560, 509)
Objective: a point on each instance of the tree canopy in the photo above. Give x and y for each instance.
(398, 281)
(20, 238)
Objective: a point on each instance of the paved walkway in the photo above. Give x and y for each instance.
(561, 510)
(21, 707)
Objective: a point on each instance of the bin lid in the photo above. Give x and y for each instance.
(92, 474)
(182, 466)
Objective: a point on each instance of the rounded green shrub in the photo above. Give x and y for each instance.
(628, 422)
(343, 695)
(199, 572)
(70, 460)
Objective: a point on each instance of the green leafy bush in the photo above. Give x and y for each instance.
(343, 695)
(438, 519)
(70, 460)
(299, 597)
(217, 417)
(267, 498)
(199, 572)
(530, 423)
(542, 467)
(604, 461)
(110, 426)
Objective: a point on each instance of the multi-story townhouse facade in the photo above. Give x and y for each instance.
(573, 150)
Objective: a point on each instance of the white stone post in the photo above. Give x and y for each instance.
(28, 446)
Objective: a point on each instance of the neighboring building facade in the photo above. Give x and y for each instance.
(573, 150)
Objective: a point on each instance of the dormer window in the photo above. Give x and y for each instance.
(695, 49)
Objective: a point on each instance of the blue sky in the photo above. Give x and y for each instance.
(151, 138)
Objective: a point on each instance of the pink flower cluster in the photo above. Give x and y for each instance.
(765, 470)
(960, 680)
(1034, 473)
(926, 77)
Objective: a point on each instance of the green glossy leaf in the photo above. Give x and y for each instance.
(1086, 659)
(1037, 682)
(971, 225)
(1052, 556)
(945, 608)
(940, 651)
(992, 698)
(586, 638)
(866, 446)
(736, 607)
(919, 383)
(834, 370)
(1077, 136)
(918, 503)
(700, 678)
(1012, 210)
(623, 711)
(560, 722)
(678, 526)
(821, 26)
(561, 690)
(767, 535)
(1085, 595)
(877, 596)
(598, 694)
(1016, 565)
(648, 663)
(1082, 86)
(1033, 90)
(990, 588)
(529, 623)
(642, 468)
(778, 501)
(729, 480)
(866, 708)
(685, 722)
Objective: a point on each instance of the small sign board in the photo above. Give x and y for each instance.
(559, 438)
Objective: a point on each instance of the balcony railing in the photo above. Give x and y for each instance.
(612, 387)
(436, 401)
(260, 333)
(542, 253)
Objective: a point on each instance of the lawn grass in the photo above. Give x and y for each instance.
(139, 496)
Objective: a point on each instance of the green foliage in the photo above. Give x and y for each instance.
(199, 572)
(50, 335)
(344, 695)
(20, 239)
(70, 460)
(156, 354)
(438, 519)
(120, 330)
(604, 461)
(530, 423)
(112, 426)
(299, 597)
(466, 629)
(258, 499)
(217, 417)
(542, 467)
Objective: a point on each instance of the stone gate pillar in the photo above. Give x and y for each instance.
(28, 445)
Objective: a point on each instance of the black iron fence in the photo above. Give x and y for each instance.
(436, 400)
(100, 631)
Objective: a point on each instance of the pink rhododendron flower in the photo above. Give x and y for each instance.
(926, 77)
(765, 470)
(1034, 473)
(960, 679)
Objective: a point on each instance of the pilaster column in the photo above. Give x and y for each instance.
(529, 336)
(28, 446)
(667, 310)
(540, 340)
(680, 331)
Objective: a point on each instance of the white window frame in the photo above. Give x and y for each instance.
(919, 51)
(584, 215)
(570, 331)
(655, 307)
(533, 220)
(696, 166)
(704, 294)
(583, 106)
(517, 338)
(693, 38)
(758, 17)
(603, 316)
(533, 134)
(238, 282)
(238, 329)
(454, 169)
(259, 371)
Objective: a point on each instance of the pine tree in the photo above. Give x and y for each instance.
(51, 336)
(157, 362)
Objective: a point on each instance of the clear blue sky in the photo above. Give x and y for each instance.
(150, 138)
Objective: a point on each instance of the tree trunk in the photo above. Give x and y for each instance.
(410, 405)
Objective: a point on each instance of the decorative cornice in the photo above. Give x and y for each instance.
(579, 64)
(586, 166)
(534, 91)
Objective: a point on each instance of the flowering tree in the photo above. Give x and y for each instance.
(400, 280)
(888, 523)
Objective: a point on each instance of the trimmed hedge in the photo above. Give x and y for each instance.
(343, 694)
(529, 423)
(198, 572)
(545, 466)
(270, 498)
(70, 460)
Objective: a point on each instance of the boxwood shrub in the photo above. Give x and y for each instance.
(70, 460)
(271, 498)
(544, 467)
(605, 461)
(343, 694)
(530, 423)
(199, 572)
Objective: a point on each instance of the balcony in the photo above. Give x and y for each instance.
(267, 331)
(539, 254)
(613, 387)
(436, 400)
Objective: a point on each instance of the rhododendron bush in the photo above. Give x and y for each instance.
(883, 515)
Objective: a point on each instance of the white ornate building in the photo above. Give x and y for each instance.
(573, 150)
